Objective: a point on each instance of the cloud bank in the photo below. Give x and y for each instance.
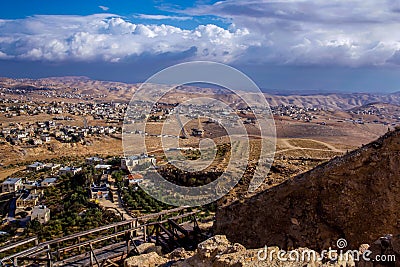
(316, 32)
(111, 38)
(350, 33)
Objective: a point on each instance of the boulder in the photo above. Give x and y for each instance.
(151, 259)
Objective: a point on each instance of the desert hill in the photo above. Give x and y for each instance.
(337, 101)
(81, 87)
(356, 197)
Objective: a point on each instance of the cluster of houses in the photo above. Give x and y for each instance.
(295, 112)
(28, 193)
(111, 112)
(48, 92)
(14, 185)
(382, 114)
(44, 132)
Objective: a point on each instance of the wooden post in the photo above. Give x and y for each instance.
(93, 256)
(91, 259)
(157, 234)
(136, 223)
(49, 263)
(128, 242)
(58, 251)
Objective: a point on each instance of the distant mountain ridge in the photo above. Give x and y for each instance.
(342, 101)
(323, 100)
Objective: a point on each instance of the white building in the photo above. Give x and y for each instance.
(132, 162)
(69, 170)
(41, 213)
(11, 185)
(45, 138)
(48, 182)
(35, 166)
(94, 160)
(52, 166)
(102, 167)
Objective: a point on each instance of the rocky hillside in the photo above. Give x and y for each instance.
(356, 197)
(218, 251)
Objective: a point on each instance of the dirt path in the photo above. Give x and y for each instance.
(330, 147)
(288, 146)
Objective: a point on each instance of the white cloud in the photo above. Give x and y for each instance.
(288, 32)
(162, 17)
(315, 32)
(5, 56)
(104, 8)
(112, 38)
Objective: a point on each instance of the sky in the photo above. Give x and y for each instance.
(283, 45)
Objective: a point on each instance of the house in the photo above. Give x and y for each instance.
(137, 162)
(69, 170)
(28, 184)
(48, 182)
(93, 160)
(134, 178)
(103, 167)
(52, 166)
(11, 185)
(41, 213)
(101, 191)
(35, 166)
(36, 142)
(45, 138)
(28, 199)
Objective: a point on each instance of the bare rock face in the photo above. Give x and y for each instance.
(149, 247)
(208, 251)
(356, 197)
(219, 252)
(151, 259)
(179, 254)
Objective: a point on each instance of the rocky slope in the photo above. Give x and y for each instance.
(218, 251)
(356, 197)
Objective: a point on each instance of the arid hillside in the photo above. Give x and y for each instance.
(355, 196)
(85, 89)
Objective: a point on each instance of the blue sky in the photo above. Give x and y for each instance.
(130, 10)
(337, 45)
